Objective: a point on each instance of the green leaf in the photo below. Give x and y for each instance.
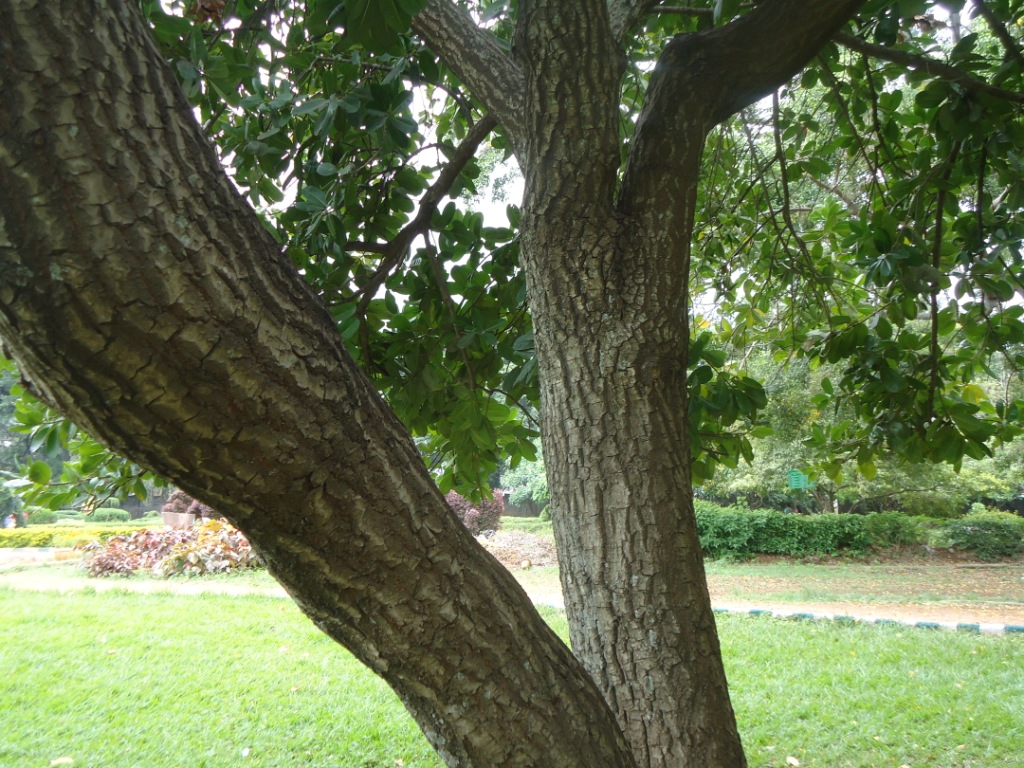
(39, 472)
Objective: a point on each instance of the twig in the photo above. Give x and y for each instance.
(930, 66)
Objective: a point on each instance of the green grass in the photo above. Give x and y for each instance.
(865, 696)
(126, 680)
(540, 580)
(119, 680)
(527, 524)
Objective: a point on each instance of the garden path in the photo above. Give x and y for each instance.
(966, 595)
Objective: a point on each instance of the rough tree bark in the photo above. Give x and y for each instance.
(144, 298)
(608, 268)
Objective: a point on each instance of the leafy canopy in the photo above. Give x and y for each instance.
(868, 216)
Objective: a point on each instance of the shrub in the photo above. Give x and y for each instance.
(199, 509)
(52, 535)
(478, 516)
(989, 535)
(43, 517)
(738, 532)
(109, 515)
(937, 504)
(181, 503)
(212, 547)
(891, 529)
(177, 503)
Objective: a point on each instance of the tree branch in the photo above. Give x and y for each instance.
(999, 30)
(395, 250)
(752, 56)
(702, 79)
(686, 10)
(477, 58)
(933, 67)
(623, 14)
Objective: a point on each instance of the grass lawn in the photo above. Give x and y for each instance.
(121, 680)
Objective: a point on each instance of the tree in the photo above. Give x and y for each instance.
(144, 298)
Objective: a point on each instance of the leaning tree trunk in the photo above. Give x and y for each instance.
(143, 297)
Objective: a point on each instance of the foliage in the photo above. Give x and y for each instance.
(865, 225)
(65, 467)
(478, 516)
(212, 547)
(893, 248)
(526, 483)
(793, 416)
(109, 514)
(738, 532)
(43, 516)
(9, 503)
(989, 535)
(890, 529)
(56, 535)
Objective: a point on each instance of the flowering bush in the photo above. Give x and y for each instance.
(478, 516)
(212, 547)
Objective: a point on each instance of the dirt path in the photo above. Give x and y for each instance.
(944, 594)
(968, 594)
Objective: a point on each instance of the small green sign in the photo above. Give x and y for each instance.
(796, 479)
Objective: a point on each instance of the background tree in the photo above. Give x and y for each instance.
(797, 422)
(143, 298)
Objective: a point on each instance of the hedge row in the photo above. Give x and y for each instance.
(738, 532)
(61, 535)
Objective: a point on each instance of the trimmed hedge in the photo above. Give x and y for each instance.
(60, 535)
(738, 532)
(889, 529)
(990, 535)
(109, 515)
(42, 517)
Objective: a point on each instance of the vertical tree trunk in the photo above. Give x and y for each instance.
(612, 339)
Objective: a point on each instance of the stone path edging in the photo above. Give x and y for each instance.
(984, 629)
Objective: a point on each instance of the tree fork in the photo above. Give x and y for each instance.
(145, 299)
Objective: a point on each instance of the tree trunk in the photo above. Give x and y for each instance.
(612, 340)
(144, 298)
